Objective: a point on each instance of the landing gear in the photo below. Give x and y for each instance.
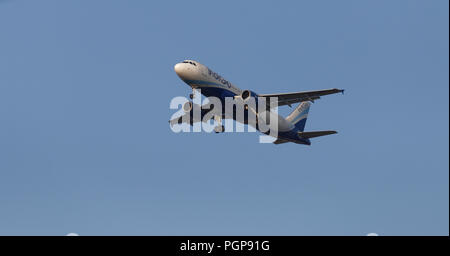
(219, 129)
(192, 95)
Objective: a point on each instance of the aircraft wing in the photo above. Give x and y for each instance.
(294, 97)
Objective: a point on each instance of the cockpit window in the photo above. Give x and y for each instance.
(189, 62)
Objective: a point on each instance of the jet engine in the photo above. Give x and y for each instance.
(246, 94)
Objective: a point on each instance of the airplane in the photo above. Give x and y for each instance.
(211, 84)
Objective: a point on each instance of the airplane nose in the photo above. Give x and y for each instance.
(178, 68)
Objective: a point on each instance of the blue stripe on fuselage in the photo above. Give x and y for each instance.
(201, 82)
(220, 93)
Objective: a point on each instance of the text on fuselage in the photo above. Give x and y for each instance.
(219, 78)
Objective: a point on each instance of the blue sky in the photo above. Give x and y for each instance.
(85, 146)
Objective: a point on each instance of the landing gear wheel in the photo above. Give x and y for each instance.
(219, 129)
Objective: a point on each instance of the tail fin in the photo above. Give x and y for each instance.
(299, 115)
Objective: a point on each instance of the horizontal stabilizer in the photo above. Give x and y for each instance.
(307, 135)
(280, 141)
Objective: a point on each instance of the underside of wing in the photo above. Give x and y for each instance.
(294, 97)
